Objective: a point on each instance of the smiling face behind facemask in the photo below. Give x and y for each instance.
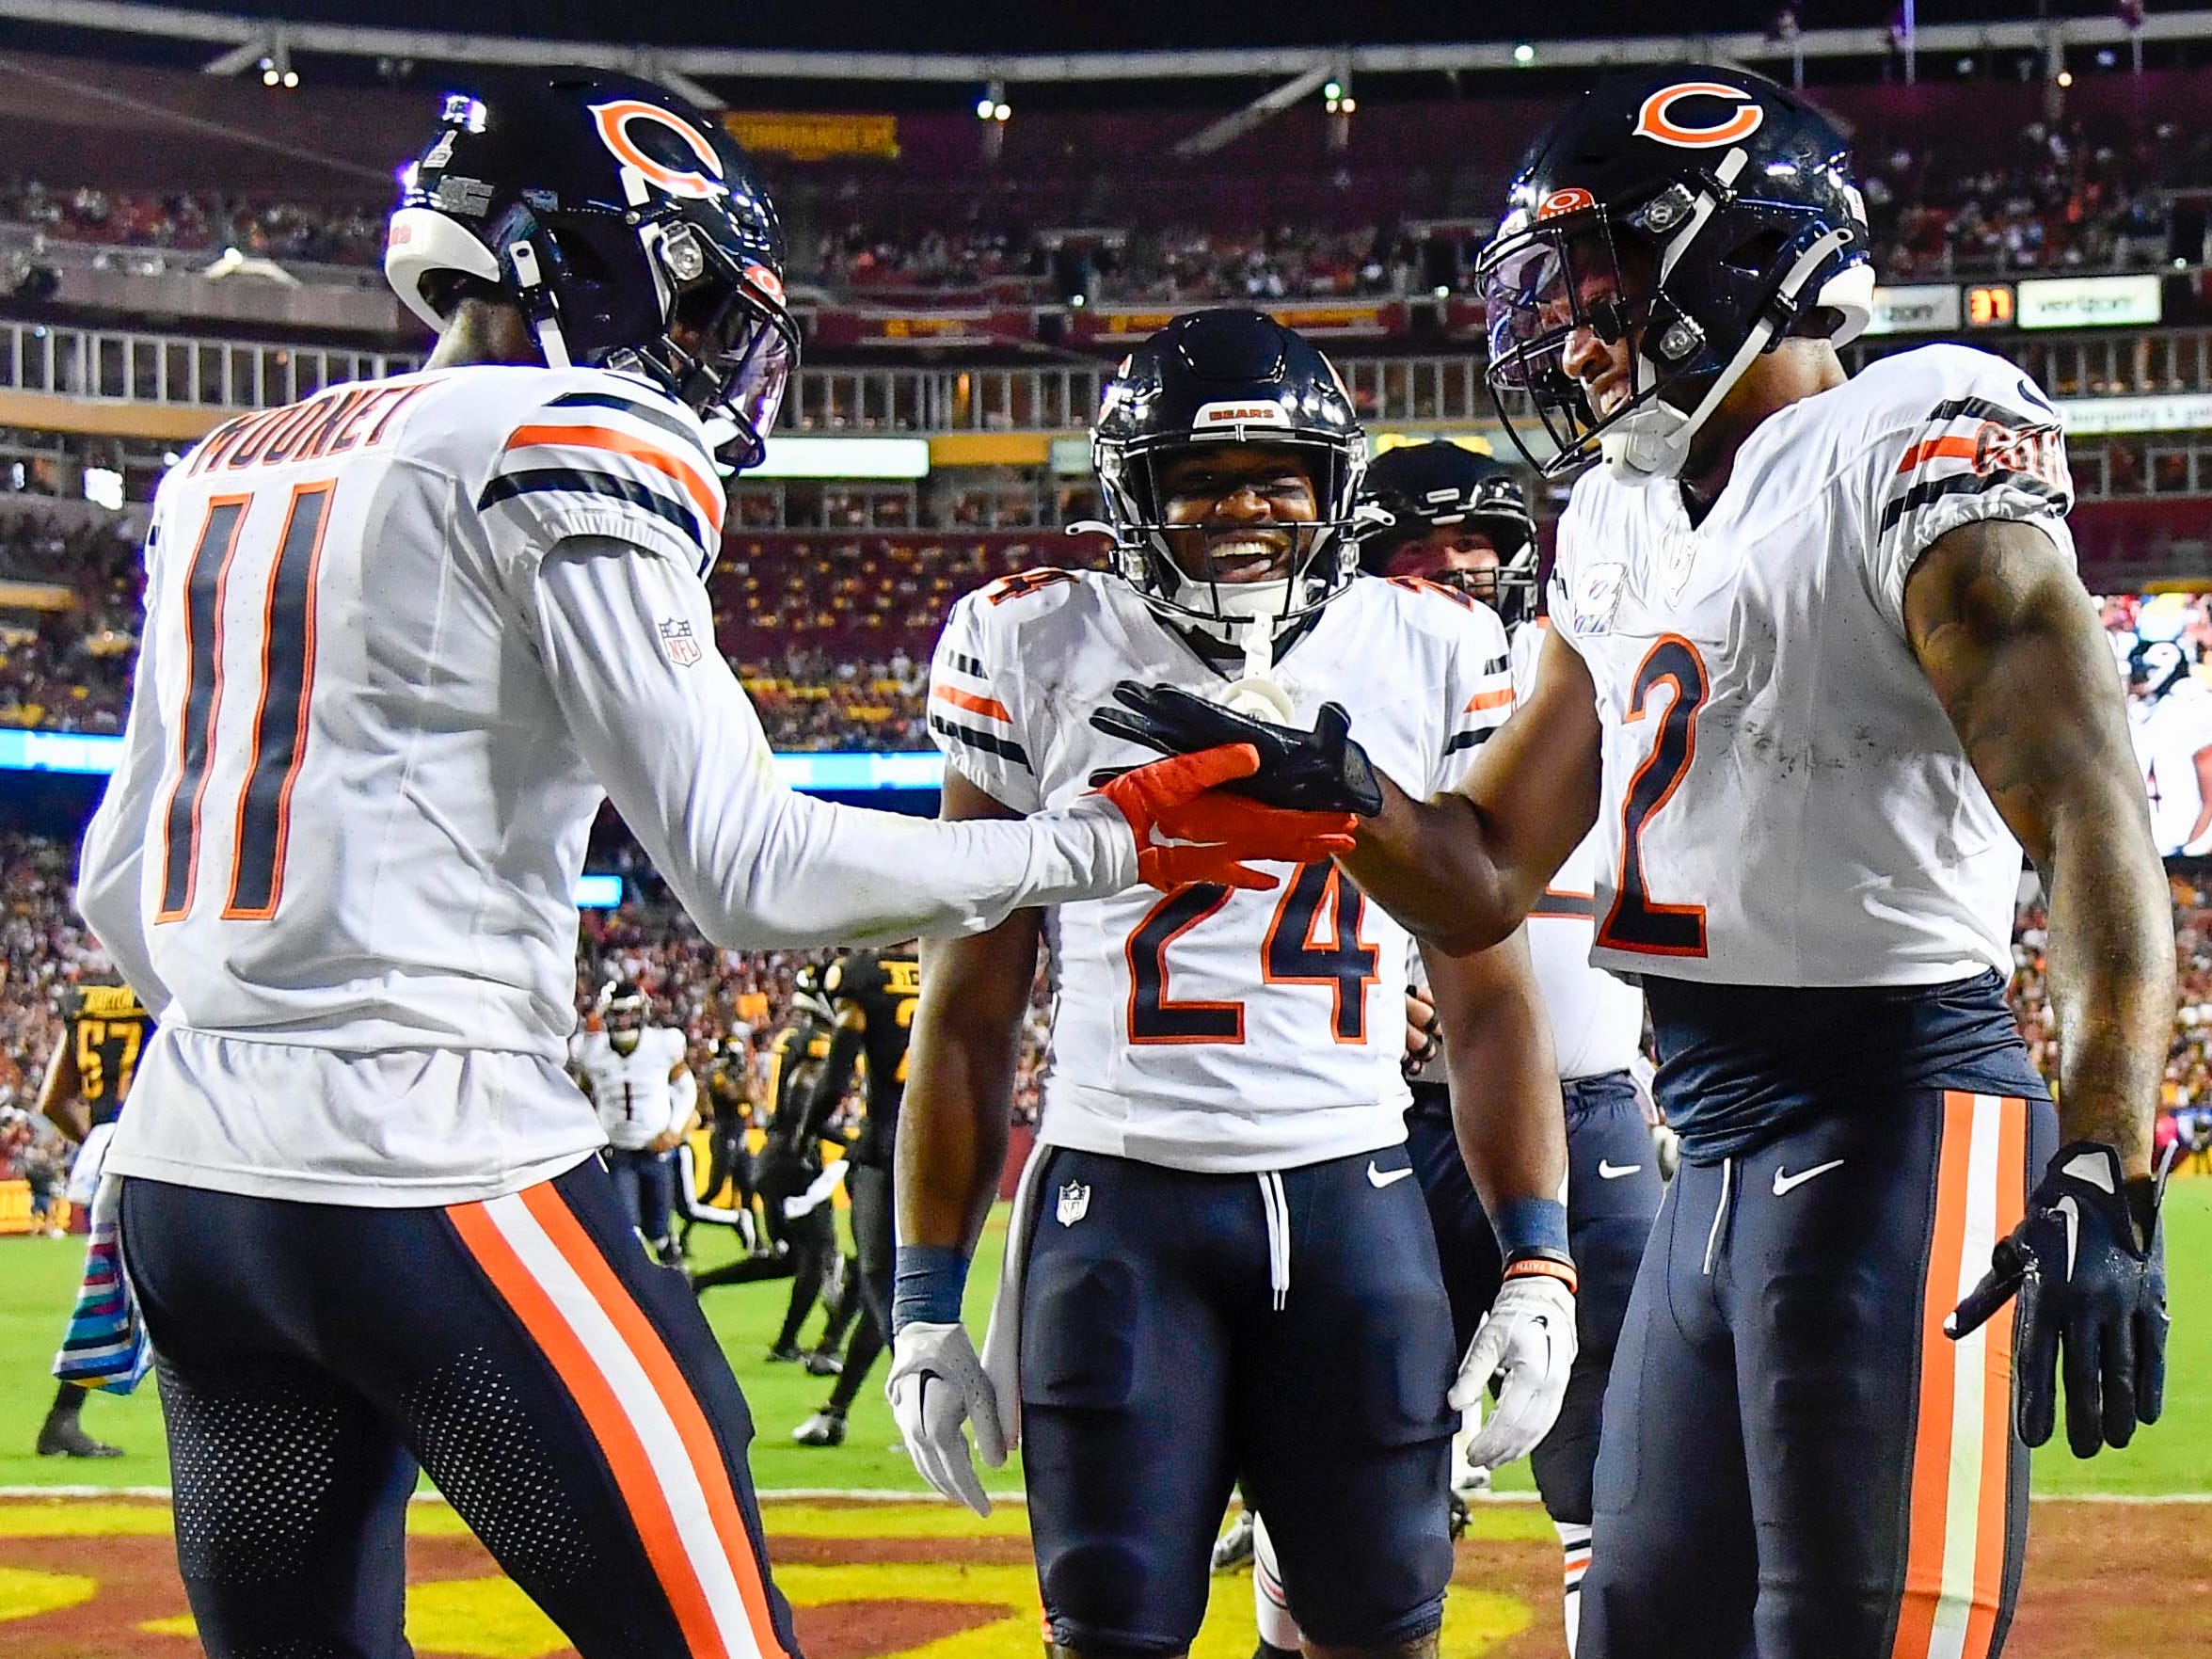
(1235, 509)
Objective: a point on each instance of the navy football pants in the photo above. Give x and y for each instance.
(1159, 1365)
(1796, 1462)
(563, 1391)
(645, 1188)
(1612, 1191)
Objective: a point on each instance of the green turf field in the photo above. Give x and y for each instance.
(37, 1278)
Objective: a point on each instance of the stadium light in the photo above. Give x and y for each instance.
(1333, 90)
(1524, 54)
(2065, 78)
(984, 105)
(1002, 112)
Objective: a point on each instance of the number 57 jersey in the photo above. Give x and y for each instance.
(1785, 801)
(1212, 1029)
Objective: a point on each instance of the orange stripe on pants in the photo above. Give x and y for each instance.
(1930, 1525)
(674, 1389)
(1991, 1532)
(606, 1421)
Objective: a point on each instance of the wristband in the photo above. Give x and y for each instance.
(927, 1285)
(1541, 1264)
(1530, 1224)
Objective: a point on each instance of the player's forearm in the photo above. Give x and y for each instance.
(1428, 862)
(954, 1123)
(1507, 1109)
(757, 865)
(2111, 979)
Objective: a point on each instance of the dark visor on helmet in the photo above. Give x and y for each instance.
(737, 351)
(1542, 287)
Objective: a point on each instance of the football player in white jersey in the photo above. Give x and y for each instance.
(1222, 1269)
(400, 639)
(640, 1085)
(2170, 718)
(1820, 665)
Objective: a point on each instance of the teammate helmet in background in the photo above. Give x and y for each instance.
(622, 1012)
(808, 997)
(2155, 667)
(1227, 375)
(1423, 487)
(629, 229)
(1702, 214)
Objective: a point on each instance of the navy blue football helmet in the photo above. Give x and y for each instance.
(1417, 489)
(1701, 214)
(629, 229)
(1229, 375)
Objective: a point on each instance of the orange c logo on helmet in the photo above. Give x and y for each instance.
(1571, 200)
(614, 122)
(767, 281)
(1655, 119)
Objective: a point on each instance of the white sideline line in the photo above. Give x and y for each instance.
(794, 1495)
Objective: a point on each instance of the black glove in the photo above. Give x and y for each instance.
(2088, 1273)
(1320, 771)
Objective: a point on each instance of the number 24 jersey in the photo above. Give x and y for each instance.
(1785, 801)
(1208, 1028)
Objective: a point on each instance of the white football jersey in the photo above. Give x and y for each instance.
(1785, 802)
(1597, 1019)
(400, 639)
(635, 1094)
(2168, 735)
(1208, 1028)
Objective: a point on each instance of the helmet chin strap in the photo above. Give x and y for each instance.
(1247, 612)
(1652, 442)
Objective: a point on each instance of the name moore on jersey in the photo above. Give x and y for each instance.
(1208, 1028)
(1785, 801)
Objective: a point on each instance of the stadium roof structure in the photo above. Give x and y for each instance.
(242, 42)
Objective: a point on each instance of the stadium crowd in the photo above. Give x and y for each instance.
(2058, 196)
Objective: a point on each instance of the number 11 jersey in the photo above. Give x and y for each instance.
(1785, 801)
(1211, 1029)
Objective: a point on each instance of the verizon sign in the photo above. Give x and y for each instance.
(2089, 302)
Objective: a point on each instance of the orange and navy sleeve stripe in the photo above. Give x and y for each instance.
(1486, 707)
(596, 458)
(1974, 458)
(965, 715)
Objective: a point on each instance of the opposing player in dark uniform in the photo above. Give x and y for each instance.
(104, 1031)
(1820, 667)
(873, 993)
(803, 1247)
(728, 1094)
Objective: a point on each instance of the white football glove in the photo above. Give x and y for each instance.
(936, 1385)
(1527, 1339)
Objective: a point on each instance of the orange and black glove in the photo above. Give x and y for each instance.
(1188, 831)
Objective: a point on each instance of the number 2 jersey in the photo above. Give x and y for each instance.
(1785, 801)
(1214, 1029)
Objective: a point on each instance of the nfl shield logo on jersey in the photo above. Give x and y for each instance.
(1074, 1204)
(679, 643)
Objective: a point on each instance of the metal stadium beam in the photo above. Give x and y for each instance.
(2053, 37)
(1269, 103)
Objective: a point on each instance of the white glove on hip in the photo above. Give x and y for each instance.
(937, 1384)
(1527, 1340)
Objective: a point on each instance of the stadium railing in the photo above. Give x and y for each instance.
(201, 372)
